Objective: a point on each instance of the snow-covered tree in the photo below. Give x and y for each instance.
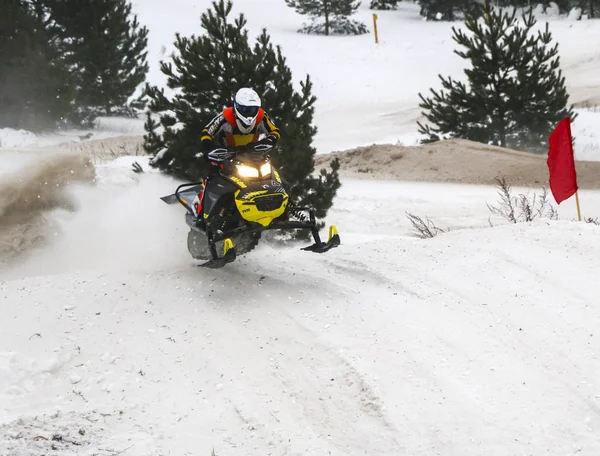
(384, 4)
(515, 92)
(329, 17)
(105, 47)
(448, 10)
(206, 72)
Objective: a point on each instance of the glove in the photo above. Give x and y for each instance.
(271, 140)
(266, 143)
(218, 155)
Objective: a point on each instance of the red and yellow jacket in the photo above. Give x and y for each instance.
(222, 131)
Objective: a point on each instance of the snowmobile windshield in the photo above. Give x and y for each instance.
(247, 111)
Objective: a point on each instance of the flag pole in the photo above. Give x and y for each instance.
(577, 202)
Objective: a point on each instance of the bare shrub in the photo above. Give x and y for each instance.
(425, 228)
(522, 208)
(593, 221)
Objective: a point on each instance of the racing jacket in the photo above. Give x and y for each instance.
(223, 131)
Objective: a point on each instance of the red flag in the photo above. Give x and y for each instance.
(561, 163)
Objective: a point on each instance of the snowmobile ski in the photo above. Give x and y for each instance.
(229, 256)
(322, 247)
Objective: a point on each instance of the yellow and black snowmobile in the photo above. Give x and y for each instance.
(245, 198)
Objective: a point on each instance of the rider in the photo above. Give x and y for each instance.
(239, 125)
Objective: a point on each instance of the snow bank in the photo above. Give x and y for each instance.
(10, 138)
(461, 161)
(120, 126)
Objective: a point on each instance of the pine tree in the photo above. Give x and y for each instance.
(384, 4)
(106, 49)
(448, 10)
(206, 71)
(516, 93)
(35, 90)
(329, 17)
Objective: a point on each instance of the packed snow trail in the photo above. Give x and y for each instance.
(480, 341)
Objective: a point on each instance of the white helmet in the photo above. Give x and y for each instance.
(246, 105)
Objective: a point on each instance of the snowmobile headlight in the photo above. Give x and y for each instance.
(265, 169)
(247, 171)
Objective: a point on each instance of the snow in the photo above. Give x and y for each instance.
(387, 345)
(575, 14)
(586, 131)
(16, 138)
(105, 128)
(482, 340)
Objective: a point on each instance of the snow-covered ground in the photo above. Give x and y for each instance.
(482, 340)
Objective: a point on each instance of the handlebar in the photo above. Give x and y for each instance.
(220, 154)
(251, 147)
(223, 153)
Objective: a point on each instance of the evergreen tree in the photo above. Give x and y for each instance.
(329, 17)
(448, 10)
(35, 91)
(206, 71)
(516, 93)
(106, 49)
(384, 4)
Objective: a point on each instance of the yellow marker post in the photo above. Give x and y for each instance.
(577, 202)
(375, 27)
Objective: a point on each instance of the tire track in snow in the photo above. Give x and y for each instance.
(344, 413)
(369, 274)
(337, 401)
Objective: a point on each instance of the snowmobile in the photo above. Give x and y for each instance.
(246, 197)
